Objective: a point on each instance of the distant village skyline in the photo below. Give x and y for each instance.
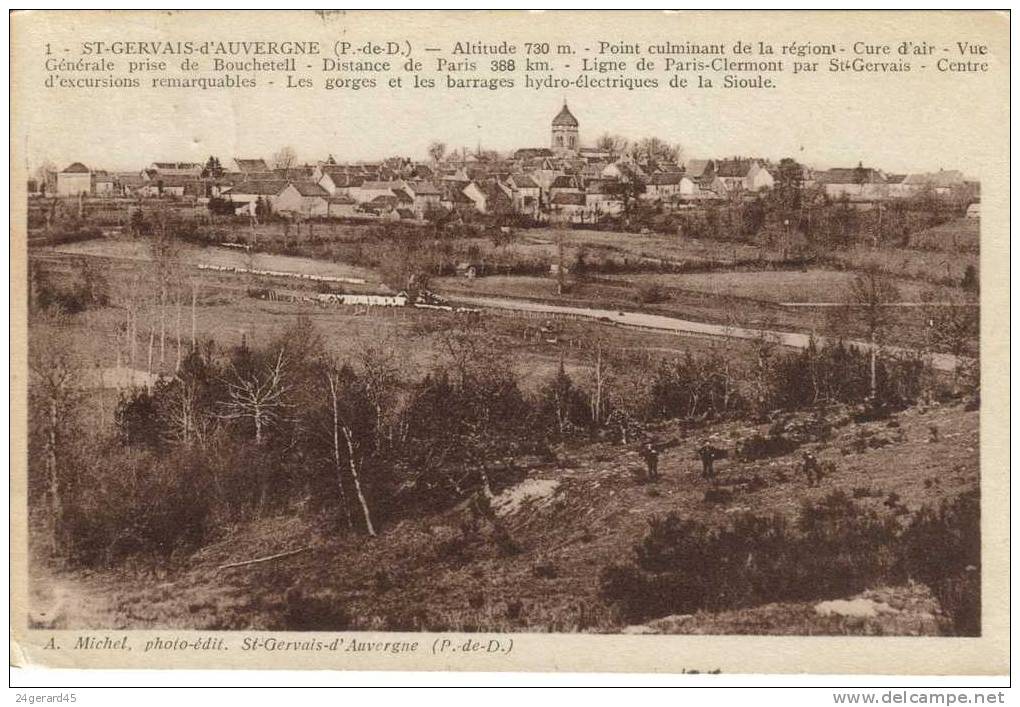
(108, 154)
(561, 179)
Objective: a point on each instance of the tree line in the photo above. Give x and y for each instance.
(237, 433)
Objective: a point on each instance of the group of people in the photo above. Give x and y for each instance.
(709, 453)
(650, 452)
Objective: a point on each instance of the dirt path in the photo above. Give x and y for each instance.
(941, 362)
(59, 601)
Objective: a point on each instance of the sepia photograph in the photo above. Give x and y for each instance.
(640, 331)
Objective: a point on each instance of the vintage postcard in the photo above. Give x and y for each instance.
(605, 341)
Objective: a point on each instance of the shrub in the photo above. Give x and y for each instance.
(835, 549)
(942, 548)
(145, 505)
(314, 612)
(651, 294)
(761, 447)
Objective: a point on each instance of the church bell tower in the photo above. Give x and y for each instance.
(565, 132)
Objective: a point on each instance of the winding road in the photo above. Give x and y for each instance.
(660, 322)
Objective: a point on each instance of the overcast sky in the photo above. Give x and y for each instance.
(904, 122)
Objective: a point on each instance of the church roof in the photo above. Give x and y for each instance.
(565, 118)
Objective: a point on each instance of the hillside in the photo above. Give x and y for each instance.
(537, 567)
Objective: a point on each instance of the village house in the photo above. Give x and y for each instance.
(564, 184)
(283, 197)
(897, 186)
(128, 183)
(170, 186)
(662, 186)
(526, 194)
(426, 196)
(304, 173)
(454, 199)
(249, 192)
(602, 198)
(854, 183)
(382, 205)
(739, 175)
(303, 198)
(942, 182)
(176, 169)
(625, 171)
(687, 187)
(341, 206)
(248, 166)
(337, 180)
(532, 153)
(103, 184)
(368, 191)
(700, 170)
(75, 179)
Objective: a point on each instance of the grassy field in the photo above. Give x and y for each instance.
(740, 297)
(961, 235)
(568, 518)
(800, 286)
(225, 315)
(137, 250)
(750, 301)
(584, 512)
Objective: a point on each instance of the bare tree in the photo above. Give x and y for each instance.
(600, 379)
(165, 251)
(381, 376)
(184, 421)
(258, 396)
(45, 173)
(437, 150)
(954, 328)
(613, 144)
(285, 158)
(656, 150)
(345, 443)
(55, 390)
(867, 303)
(763, 348)
(561, 259)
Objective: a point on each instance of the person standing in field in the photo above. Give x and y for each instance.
(708, 455)
(650, 454)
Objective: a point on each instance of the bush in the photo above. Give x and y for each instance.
(942, 548)
(835, 549)
(145, 505)
(761, 447)
(314, 612)
(652, 294)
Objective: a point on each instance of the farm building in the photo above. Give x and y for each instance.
(249, 166)
(743, 175)
(74, 180)
(699, 170)
(103, 184)
(304, 198)
(176, 169)
(338, 180)
(341, 206)
(426, 196)
(526, 194)
(855, 183)
(663, 186)
(251, 191)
